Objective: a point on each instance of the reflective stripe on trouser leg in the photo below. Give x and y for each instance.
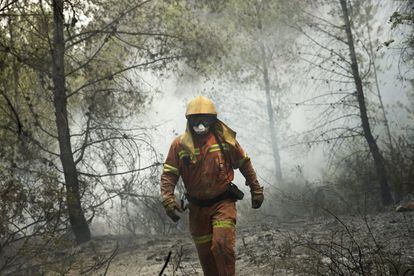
(202, 239)
(223, 244)
(227, 223)
(206, 257)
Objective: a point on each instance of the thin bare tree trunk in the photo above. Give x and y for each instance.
(269, 106)
(384, 115)
(376, 155)
(76, 216)
(398, 193)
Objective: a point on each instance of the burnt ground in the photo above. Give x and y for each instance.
(375, 244)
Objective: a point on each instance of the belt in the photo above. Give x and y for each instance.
(210, 201)
(232, 192)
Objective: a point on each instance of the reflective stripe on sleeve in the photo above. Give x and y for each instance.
(169, 168)
(202, 239)
(228, 223)
(241, 162)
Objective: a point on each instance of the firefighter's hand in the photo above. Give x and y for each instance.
(171, 206)
(257, 198)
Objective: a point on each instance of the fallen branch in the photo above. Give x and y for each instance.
(166, 263)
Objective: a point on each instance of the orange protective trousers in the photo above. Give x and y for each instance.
(214, 234)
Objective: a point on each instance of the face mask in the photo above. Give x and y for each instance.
(200, 129)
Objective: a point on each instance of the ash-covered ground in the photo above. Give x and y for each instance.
(374, 244)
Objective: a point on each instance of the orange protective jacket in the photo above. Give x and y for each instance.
(205, 171)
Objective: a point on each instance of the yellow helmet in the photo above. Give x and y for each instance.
(200, 105)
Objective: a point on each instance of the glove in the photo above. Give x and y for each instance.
(171, 206)
(257, 198)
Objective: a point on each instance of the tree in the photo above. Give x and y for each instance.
(375, 152)
(372, 55)
(73, 196)
(344, 72)
(88, 73)
(260, 50)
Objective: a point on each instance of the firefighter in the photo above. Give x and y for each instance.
(205, 156)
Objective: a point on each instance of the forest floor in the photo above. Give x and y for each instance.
(374, 244)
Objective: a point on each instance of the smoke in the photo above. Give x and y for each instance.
(242, 107)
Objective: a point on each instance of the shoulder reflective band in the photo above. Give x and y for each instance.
(228, 223)
(216, 147)
(203, 239)
(183, 153)
(169, 168)
(242, 161)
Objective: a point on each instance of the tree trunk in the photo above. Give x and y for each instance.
(76, 217)
(374, 66)
(372, 144)
(273, 133)
(398, 190)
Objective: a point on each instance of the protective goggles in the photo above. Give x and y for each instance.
(205, 119)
